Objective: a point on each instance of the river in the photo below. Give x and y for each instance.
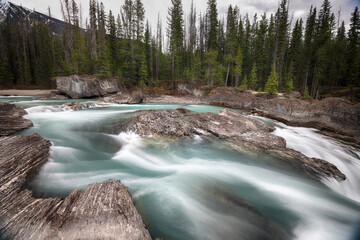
(186, 189)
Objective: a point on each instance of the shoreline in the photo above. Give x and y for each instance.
(21, 92)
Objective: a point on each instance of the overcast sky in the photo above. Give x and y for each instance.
(299, 8)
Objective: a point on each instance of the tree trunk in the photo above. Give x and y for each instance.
(227, 74)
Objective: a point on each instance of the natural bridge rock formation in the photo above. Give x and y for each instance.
(11, 120)
(101, 211)
(85, 86)
(246, 135)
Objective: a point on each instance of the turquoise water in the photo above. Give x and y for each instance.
(193, 188)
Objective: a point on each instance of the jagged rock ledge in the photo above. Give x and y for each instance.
(11, 119)
(245, 134)
(101, 211)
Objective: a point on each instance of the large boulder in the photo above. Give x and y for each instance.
(11, 120)
(101, 211)
(85, 86)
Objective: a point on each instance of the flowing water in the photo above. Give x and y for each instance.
(191, 188)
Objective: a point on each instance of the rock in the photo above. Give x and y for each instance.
(332, 114)
(85, 86)
(11, 120)
(191, 89)
(101, 211)
(336, 115)
(54, 95)
(246, 134)
(182, 122)
(292, 95)
(79, 105)
(125, 97)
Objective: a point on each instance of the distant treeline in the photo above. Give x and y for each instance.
(271, 52)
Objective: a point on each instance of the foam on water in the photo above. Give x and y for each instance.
(313, 144)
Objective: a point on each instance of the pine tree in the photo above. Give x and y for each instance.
(196, 69)
(213, 74)
(269, 49)
(340, 57)
(143, 72)
(231, 39)
(290, 80)
(323, 41)
(306, 93)
(282, 23)
(253, 80)
(353, 49)
(140, 16)
(103, 60)
(176, 38)
(308, 56)
(213, 24)
(261, 55)
(238, 66)
(244, 84)
(272, 84)
(93, 34)
(294, 52)
(112, 44)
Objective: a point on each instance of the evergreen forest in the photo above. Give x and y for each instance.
(268, 52)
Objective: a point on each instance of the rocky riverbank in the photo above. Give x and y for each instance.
(11, 119)
(246, 135)
(335, 115)
(101, 211)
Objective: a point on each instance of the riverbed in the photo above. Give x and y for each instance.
(188, 189)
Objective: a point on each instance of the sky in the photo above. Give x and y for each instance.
(298, 8)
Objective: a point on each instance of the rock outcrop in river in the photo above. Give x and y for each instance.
(125, 97)
(85, 86)
(334, 115)
(101, 211)
(246, 135)
(11, 120)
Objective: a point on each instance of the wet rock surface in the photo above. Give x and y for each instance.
(54, 95)
(101, 211)
(79, 105)
(85, 86)
(125, 97)
(245, 133)
(335, 115)
(11, 119)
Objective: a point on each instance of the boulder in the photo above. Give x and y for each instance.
(126, 97)
(293, 95)
(191, 89)
(54, 95)
(79, 105)
(246, 135)
(11, 120)
(101, 211)
(85, 86)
